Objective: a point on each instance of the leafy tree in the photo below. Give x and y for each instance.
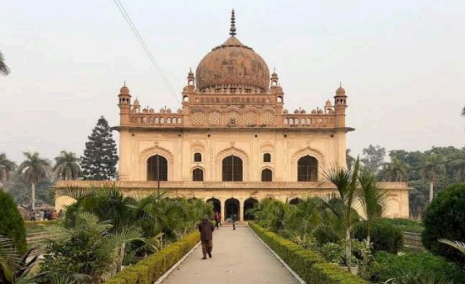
(4, 70)
(373, 157)
(67, 166)
(100, 158)
(20, 189)
(373, 201)
(445, 220)
(396, 170)
(11, 222)
(34, 170)
(6, 167)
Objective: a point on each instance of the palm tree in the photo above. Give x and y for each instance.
(458, 164)
(373, 200)
(396, 170)
(463, 111)
(34, 170)
(6, 167)
(67, 166)
(14, 267)
(4, 70)
(433, 164)
(349, 159)
(346, 182)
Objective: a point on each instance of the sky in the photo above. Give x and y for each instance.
(401, 63)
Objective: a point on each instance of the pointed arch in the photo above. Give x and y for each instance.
(307, 151)
(153, 151)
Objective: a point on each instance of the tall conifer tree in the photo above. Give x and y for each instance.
(100, 158)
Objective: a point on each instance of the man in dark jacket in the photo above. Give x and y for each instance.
(206, 229)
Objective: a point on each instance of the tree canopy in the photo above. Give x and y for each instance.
(100, 157)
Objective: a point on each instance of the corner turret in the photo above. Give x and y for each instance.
(340, 105)
(124, 104)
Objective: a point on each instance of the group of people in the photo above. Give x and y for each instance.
(43, 215)
(206, 228)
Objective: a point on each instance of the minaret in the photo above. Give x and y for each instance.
(124, 104)
(340, 105)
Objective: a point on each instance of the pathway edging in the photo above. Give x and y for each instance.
(296, 276)
(167, 273)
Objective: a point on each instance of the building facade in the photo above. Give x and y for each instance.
(232, 141)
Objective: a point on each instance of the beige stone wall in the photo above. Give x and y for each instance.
(178, 147)
(242, 191)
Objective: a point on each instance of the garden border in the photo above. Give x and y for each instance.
(167, 273)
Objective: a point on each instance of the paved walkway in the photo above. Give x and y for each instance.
(238, 257)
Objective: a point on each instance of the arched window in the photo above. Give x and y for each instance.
(307, 169)
(267, 175)
(197, 157)
(157, 168)
(197, 175)
(267, 157)
(232, 168)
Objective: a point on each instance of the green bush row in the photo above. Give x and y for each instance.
(309, 265)
(41, 223)
(148, 270)
(405, 225)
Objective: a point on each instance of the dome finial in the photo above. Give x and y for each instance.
(232, 30)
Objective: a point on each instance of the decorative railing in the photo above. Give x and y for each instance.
(310, 120)
(156, 118)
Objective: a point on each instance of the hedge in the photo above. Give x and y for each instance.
(148, 270)
(309, 265)
(11, 222)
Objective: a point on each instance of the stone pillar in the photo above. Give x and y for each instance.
(241, 209)
(223, 209)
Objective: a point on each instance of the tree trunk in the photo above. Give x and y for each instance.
(431, 191)
(33, 193)
(348, 250)
(368, 238)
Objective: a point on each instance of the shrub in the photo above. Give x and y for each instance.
(406, 225)
(384, 236)
(445, 219)
(309, 265)
(148, 270)
(417, 263)
(11, 222)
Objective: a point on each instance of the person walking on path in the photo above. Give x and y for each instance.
(217, 219)
(206, 229)
(234, 219)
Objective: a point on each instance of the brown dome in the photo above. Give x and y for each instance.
(232, 63)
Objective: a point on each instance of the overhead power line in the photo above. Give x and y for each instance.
(144, 46)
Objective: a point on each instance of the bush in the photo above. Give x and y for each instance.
(11, 222)
(148, 270)
(445, 219)
(406, 225)
(420, 263)
(384, 236)
(309, 265)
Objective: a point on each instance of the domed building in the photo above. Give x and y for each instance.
(232, 142)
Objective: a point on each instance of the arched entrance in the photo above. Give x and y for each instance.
(295, 201)
(216, 204)
(157, 168)
(249, 205)
(307, 169)
(232, 207)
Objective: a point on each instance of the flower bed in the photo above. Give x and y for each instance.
(309, 265)
(148, 270)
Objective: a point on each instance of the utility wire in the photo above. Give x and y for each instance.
(144, 46)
